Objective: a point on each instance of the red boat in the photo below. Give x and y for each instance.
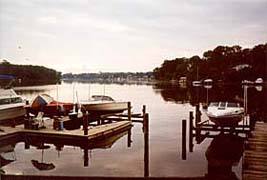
(50, 107)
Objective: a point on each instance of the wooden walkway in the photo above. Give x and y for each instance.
(68, 136)
(255, 156)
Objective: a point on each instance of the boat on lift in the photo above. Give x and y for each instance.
(101, 105)
(225, 113)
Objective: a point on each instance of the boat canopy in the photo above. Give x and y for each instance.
(6, 77)
(224, 104)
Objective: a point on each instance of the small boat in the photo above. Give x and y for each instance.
(225, 113)
(259, 81)
(45, 103)
(11, 105)
(196, 83)
(101, 105)
(247, 82)
(208, 83)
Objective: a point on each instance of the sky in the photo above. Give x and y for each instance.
(124, 35)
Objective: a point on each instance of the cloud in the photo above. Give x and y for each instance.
(125, 35)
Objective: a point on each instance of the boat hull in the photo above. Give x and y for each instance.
(12, 113)
(103, 108)
(52, 109)
(232, 120)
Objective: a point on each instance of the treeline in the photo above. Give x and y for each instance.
(26, 75)
(109, 76)
(228, 64)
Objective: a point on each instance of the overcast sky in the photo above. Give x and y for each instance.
(124, 35)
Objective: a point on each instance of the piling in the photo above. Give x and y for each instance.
(129, 137)
(191, 118)
(86, 157)
(198, 115)
(129, 111)
(144, 110)
(146, 139)
(85, 123)
(183, 139)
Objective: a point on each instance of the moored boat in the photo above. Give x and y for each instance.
(50, 107)
(196, 83)
(225, 113)
(100, 105)
(259, 81)
(11, 105)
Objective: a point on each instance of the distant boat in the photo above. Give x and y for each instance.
(196, 83)
(225, 113)
(100, 105)
(247, 82)
(259, 81)
(11, 105)
(208, 83)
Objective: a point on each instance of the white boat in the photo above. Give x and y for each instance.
(259, 81)
(11, 105)
(196, 83)
(100, 105)
(225, 113)
(208, 83)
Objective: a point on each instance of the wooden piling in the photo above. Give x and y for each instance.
(144, 110)
(191, 118)
(26, 145)
(85, 123)
(129, 111)
(129, 140)
(146, 147)
(86, 157)
(198, 115)
(183, 139)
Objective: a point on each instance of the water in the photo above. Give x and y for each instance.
(167, 106)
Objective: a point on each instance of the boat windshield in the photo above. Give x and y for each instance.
(222, 104)
(214, 104)
(232, 105)
(101, 98)
(10, 100)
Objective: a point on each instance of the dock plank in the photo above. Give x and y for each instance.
(255, 155)
(93, 131)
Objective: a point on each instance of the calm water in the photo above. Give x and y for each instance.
(167, 105)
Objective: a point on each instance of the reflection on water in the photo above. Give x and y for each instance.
(224, 151)
(167, 105)
(257, 95)
(43, 152)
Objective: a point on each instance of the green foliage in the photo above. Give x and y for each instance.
(231, 64)
(30, 75)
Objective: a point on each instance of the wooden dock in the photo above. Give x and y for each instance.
(255, 155)
(65, 136)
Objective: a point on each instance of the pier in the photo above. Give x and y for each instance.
(253, 136)
(53, 128)
(255, 155)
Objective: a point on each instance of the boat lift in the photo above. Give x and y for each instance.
(200, 130)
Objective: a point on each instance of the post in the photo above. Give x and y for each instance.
(26, 145)
(146, 150)
(183, 139)
(129, 111)
(86, 157)
(129, 140)
(191, 118)
(85, 123)
(198, 114)
(144, 110)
